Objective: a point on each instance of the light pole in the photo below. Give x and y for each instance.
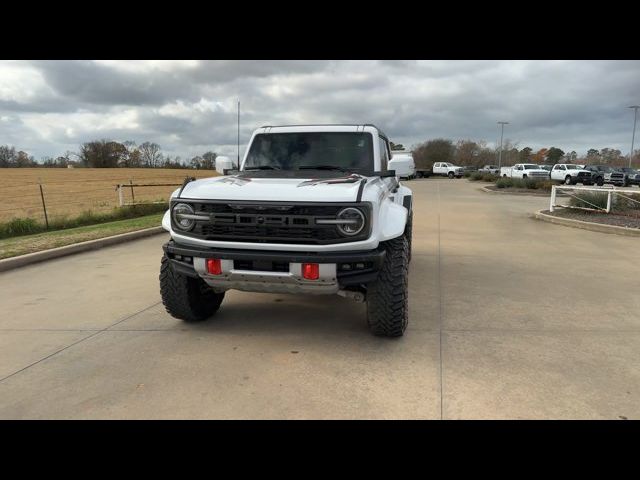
(502, 124)
(633, 137)
(238, 134)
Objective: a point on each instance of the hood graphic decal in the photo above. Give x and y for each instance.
(353, 178)
(236, 181)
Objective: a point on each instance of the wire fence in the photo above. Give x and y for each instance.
(54, 199)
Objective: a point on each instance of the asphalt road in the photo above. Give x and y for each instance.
(509, 318)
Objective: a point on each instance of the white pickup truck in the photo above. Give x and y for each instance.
(314, 210)
(570, 174)
(447, 169)
(524, 170)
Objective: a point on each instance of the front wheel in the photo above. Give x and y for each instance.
(387, 296)
(408, 234)
(450, 175)
(186, 298)
(567, 180)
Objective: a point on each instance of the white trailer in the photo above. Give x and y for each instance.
(403, 164)
(224, 164)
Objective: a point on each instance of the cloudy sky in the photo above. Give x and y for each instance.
(189, 107)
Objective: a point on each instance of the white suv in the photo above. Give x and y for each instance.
(314, 209)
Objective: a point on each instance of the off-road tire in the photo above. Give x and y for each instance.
(186, 298)
(387, 297)
(408, 234)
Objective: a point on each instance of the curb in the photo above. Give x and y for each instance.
(29, 258)
(594, 227)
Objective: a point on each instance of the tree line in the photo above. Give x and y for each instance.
(108, 154)
(111, 154)
(477, 154)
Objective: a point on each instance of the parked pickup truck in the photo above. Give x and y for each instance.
(313, 210)
(490, 169)
(632, 176)
(524, 170)
(570, 174)
(601, 174)
(447, 169)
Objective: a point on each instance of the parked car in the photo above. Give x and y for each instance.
(490, 169)
(447, 169)
(313, 210)
(403, 165)
(524, 170)
(570, 174)
(632, 176)
(601, 174)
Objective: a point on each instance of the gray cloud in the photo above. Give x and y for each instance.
(47, 107)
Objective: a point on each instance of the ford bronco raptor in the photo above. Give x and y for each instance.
(313, 209)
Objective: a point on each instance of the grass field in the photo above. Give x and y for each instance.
(69, 192)
(12, 247)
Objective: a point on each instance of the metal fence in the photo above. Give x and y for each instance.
(614, 195)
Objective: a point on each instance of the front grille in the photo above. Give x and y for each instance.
(272, 222)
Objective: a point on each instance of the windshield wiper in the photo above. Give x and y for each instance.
(322, 167)
(262, 167)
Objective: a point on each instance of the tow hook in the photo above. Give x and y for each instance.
(357, 296)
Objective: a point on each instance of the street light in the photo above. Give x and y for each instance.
(633, 137)
(502, 124)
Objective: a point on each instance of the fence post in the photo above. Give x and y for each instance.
(609, 201)
(133, 197)
(44, 206)
(120, 195)
(552, 203)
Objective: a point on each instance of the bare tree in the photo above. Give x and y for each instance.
(150, 154)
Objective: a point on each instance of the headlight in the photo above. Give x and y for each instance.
(181, 213)
(354, 221)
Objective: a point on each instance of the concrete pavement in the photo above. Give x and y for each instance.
(509, 318)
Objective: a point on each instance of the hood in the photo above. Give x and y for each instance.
(339, 189)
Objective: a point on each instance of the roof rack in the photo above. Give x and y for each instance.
(329, 125)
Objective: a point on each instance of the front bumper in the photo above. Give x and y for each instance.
(276, 271)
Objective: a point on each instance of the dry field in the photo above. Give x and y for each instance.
(70, 191)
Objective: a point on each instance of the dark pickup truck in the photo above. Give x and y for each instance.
(632, 176)
(601, 174)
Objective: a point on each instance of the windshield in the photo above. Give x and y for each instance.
(629, 170)
(348, 151)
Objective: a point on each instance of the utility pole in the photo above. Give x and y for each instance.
(238, 134)
(502, 124)
(633, 137)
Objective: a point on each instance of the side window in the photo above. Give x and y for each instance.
(384, 155)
